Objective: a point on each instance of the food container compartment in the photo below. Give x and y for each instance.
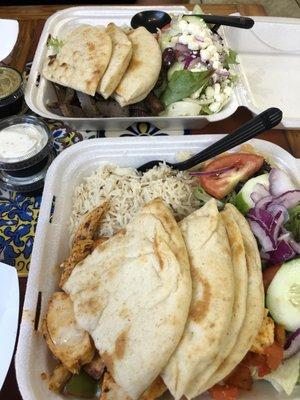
(261, 46)
(67, 171)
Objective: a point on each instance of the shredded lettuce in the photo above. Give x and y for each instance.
(293, 224)
(55, 44)
(204, 197)
(284, 378)
(183, 84)
(230, 58)
(206, 110)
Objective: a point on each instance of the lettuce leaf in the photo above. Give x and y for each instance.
(184, 83)
(230, 58)
(293, 224)
(54, 43)
(284, 378)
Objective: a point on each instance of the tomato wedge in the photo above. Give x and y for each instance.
(224, 392)
(241, 166)
(268, 275)
(274, 355)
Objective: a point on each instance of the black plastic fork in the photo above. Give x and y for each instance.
(268, 119)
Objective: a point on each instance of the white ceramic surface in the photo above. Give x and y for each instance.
(9, 30)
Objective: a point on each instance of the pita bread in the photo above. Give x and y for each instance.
(212, 298)
(120, 58)
(132, 294)
(81, 61)
(255, 301)
(238, 255)
(143, 70)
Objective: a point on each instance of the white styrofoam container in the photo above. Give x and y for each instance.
(51, 244)
(269, 68)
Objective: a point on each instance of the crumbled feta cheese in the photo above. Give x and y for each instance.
(217, 88)
(228, 90)
(204, 55)
(193, 45)
(209, 92)
(216, 64)
(214, 107)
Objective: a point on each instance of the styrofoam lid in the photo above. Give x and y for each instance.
(9, 29)
(269, 56)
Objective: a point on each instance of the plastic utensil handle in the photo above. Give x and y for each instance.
(238, 22)
(262, 122)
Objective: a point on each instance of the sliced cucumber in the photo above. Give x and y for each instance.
(177, 66)
(243, 198)
(283, 295)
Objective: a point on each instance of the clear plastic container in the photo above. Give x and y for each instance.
(11, 91)
(25, 172)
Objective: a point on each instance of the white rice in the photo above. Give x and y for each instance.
(127, 190)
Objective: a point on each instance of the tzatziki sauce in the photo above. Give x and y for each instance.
(21, 141)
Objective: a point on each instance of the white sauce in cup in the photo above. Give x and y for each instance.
(21, 141)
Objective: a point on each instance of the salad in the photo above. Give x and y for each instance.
(270, 200)
(198, 68)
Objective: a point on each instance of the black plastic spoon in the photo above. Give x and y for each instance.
(262, 122)
(154, 19)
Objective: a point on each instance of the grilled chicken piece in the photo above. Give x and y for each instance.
(112, 391)
(59, 378)
(70, 344)
(265, 337)
(84, 240)
(95, 368)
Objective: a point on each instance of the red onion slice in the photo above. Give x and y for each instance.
(280, 182)
(212, 172)
(274, 208)
(259, 192)
(259, 230)
(283, 252)
(194, 62)
(292, 344)
(182, 48)
(288, 199)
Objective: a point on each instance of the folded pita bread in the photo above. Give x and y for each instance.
(82, 60)
(212, 298)
(238, 255)
(132, 294)
(255, 301)
(143, 70)
(120, 58)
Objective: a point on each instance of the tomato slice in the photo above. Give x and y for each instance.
(268, 275)
(274, 355)
(224, 392)
(243, 166)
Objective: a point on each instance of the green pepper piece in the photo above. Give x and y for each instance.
(82, 385)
